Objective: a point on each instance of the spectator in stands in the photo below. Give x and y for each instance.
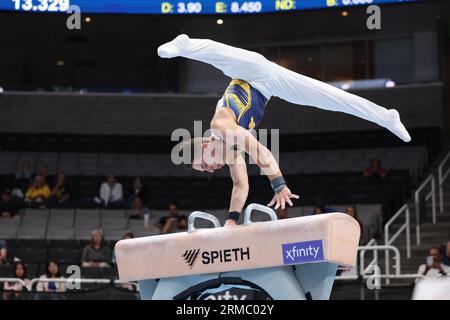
(127, 235)
(127, 286)
(8, 206)
(374, 169)
(282, 213)
(60, 192)
(23, 176)
(182, 224)
(446, 257)
(42, 171)
(17, 192)
(169, 226)
(138, 210)
(52, 287)
(13, 290)
(111, 192)
(173, 220)
(136, 190)
(175, 224)
(23, 171)
(351, 211)
(433, 268)
(96, 254)
(321, 207)
(3, 252)
(317, 210)
(38, 193)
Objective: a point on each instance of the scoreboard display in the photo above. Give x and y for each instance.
(183, 7)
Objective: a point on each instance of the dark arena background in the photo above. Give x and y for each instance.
(88, 108)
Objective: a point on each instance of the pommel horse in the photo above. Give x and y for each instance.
(288, 259)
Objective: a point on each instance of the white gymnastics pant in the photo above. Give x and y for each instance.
(274, 80)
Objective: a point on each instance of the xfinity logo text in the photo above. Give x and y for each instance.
(301, 252)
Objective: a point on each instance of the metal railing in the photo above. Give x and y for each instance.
(405, 226)
(371, 272)
(400, 276)
(14, 280)
(442, 176)
(432, 194)
(364, 269)
(397, 264)
(71, 281)
(389, 240)
(362, 253)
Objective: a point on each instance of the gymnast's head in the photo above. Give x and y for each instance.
(201, 154)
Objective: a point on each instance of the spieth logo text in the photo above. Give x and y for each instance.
(216, 256)
(301, 252)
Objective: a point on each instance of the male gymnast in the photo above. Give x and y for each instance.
(254, 81)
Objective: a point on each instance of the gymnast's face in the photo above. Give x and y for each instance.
(210, 158)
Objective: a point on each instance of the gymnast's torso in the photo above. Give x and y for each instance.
(246, 102)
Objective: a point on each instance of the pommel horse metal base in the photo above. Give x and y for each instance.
(293, 258)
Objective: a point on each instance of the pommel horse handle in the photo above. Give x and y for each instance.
(202, 215)
(255, 206)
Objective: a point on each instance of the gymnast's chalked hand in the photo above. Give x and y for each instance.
(282, 197)
(230, 223)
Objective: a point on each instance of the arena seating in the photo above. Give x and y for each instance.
(338, 188)
(60, 227)
(61, 143)
(413, 159)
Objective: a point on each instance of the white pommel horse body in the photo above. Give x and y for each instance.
(294, 258)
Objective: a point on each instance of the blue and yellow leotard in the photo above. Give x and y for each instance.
(246, 102)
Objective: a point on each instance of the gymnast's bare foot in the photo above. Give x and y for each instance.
(173, 48)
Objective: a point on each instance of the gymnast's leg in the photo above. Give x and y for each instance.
(299, 89)
(234, 62)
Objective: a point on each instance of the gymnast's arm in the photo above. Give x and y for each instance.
(260, 154)
(238, 172)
